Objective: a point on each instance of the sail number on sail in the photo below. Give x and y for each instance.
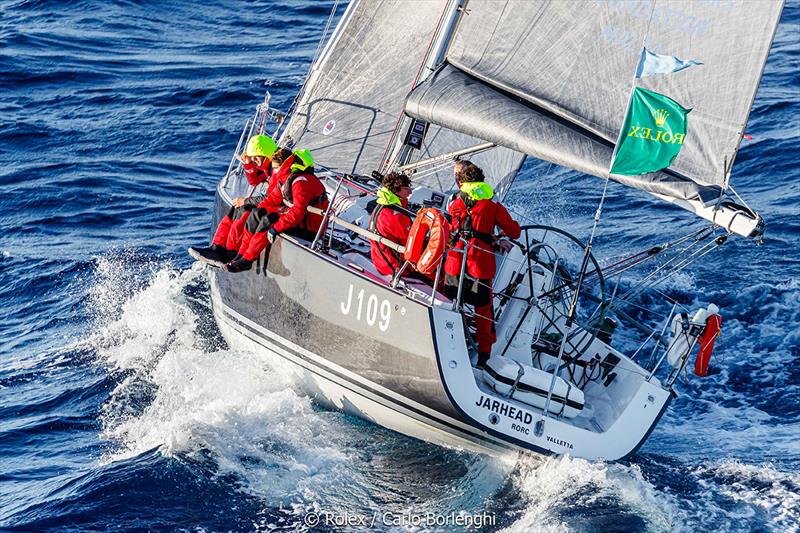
(367, 308)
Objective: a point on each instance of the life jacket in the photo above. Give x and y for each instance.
(290, 216)
(386, 199)
(286, 189)
(302, 164)
(465, 228)
(475, 217)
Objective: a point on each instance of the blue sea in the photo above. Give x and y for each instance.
(121, 406)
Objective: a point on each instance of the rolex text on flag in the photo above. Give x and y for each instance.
(652, 134)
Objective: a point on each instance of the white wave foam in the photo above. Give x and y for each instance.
(181, 399)
(556, 485)
(134, 326)
(761, 486)
(185, 401)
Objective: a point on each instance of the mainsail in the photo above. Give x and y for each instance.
(354, 97)
(551, 79)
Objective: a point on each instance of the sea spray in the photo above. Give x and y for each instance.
(241, 417)
(556, 489)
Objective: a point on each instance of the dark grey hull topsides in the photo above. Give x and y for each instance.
(308, 302)
(400, 358)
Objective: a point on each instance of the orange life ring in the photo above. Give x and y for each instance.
(706, 341)
(427, 241)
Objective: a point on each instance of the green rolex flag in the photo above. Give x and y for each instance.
(652, 135)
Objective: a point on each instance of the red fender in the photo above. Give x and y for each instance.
(706, 341)
(427, 241)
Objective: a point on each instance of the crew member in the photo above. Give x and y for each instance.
(267, 209)
(458, 172)
(292, 190)
(257, 166)
(474, 217)
(388, 220)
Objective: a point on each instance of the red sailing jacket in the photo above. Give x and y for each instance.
(395, 226)
(257, 174)
(486, 215)
(273, 201)
(305, 189)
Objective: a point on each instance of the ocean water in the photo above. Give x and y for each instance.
(121, 406)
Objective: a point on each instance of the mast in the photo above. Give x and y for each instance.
(397, 153)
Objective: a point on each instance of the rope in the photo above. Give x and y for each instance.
(325, 32)
(648, 280)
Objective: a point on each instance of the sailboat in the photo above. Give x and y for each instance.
(413, 85)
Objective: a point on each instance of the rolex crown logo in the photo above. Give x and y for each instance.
(661, 116)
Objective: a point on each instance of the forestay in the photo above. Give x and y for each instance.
(552, 79)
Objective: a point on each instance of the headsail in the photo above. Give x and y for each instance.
(355, 93)
(551, 79)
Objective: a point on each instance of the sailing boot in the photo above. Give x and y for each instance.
(238, 265)
(483, 358)
(229, 255)
(214, 255)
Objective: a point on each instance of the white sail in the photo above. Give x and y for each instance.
(551, 79)
(355, 93)
(577, 59)
(353, 101)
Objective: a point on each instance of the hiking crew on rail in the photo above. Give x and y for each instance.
(258, 168)
(293, 188)
(252, 223)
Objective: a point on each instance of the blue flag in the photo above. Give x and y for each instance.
(651, 63)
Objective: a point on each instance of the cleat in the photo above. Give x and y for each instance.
(239, 265)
